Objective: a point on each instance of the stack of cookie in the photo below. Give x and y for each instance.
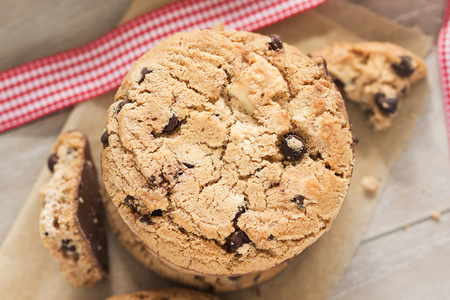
(225, 155)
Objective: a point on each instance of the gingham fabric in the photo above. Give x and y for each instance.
(443, 50)
(38, 88)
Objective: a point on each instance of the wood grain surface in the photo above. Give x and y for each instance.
(391, 263)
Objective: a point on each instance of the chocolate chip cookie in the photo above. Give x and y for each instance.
(71, 221)
(166, 294)
(227, 153)
(374, 74)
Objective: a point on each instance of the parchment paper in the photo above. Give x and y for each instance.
(27, 271)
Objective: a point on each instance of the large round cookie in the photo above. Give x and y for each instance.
(227, 152)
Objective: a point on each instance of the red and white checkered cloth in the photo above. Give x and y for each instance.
(443, 50)
(38, 88)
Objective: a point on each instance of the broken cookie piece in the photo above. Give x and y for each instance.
(71, 220)
(376, 75)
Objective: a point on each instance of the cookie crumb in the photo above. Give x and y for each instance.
(436, 215)
(370, 184)
(406, 227)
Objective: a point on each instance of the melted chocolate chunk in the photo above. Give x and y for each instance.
(89, 216)
(293, 147)
(52, 161)
(129, 200)
(157, 213)
(120, 106)
(404, 68)
(239, 213)
(188, 165)
(276, 43)
(298, 200)
(104, 138)
(65, 245)
(144, 71)
(145, 219)
(173, 123)
(387, 106)
(236, 240)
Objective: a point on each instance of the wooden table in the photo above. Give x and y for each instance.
(405, 253)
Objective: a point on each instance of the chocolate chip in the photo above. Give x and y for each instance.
(404, 68)
(65, 245)
(239, 213)
(234, 278)
(236, 240)
(173, 123)
(271, 237)
(298, 200)
(51, 162)
(144, 71)
(355, 140)
(120, 105)
(145, 219)
(293, 147)
(129, 200)
(387, 106)
(46, 233)
(189, 165)
(276, 43)
(104, 138)
(157, 213)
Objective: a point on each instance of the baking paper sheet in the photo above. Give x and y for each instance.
(29, 272)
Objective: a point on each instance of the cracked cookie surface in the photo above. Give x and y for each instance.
(227, 152)
(165, 269)
(374, 74)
